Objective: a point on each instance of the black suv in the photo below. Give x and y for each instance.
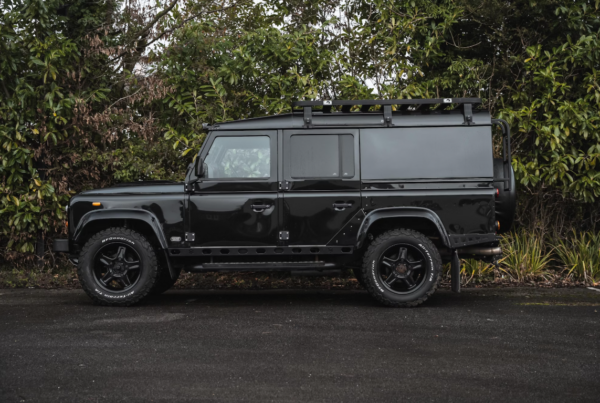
(392, 188)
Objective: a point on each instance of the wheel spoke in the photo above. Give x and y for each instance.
(133, 266)
(121, 253)
(391, 279)
(125, 280)
(402, 253)
(416, 265)
(388, 262)
(106, 278)
(409, 281)
(105, 260)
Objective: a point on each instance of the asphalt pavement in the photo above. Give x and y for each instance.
(506, 345)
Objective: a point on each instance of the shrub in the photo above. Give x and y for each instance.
(475, 270)
(525, 255)
(580, 255)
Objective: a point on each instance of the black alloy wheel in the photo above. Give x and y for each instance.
(402, 268)
(117, 267)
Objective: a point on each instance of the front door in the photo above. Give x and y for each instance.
(320, 169)
(235, 203)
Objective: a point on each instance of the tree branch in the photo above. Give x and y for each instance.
(156, 18)
(168, 31)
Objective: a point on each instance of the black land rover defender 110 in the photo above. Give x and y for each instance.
(398, 186)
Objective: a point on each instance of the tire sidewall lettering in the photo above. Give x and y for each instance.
(118, 238)
(114, 296)
(430, 265)
(375, 276)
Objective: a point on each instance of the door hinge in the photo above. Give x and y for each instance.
(284, 185)
(190, 237)
(284, 235)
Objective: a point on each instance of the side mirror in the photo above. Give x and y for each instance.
(200, 168)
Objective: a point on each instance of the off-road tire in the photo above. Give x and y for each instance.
(433, 268)
(165, 282)
(149, 269)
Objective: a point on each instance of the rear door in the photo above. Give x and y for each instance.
(321, 183)
(235, 203)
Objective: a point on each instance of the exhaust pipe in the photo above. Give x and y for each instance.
(474, 250)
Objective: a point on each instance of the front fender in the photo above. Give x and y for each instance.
(397, 212)
(126, 214)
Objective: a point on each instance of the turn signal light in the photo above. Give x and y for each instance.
(497, 192)
(96, 204)
(497, 226)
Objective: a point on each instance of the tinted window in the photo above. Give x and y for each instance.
(322, 156)
(239, 157)
(426, 153)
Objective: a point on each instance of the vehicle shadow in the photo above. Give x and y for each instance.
(308, 298)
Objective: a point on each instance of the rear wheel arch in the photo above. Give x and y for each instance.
(418, 219)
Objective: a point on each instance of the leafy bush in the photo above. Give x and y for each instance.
(580, 255)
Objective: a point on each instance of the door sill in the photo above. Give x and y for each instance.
(260, 266)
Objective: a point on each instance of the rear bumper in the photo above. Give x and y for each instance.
(61, 245)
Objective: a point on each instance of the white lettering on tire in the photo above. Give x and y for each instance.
(430, 260)
(375, 276)
(114, 296)
(118, 238)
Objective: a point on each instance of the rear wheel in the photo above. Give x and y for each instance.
(117, 267)
(401, 268)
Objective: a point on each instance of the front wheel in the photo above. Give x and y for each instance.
(117, 267)
(401, 268)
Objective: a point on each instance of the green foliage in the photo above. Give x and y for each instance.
(525, 256)
(34, 113)
(93, 93)
(580, 255)
(475, 271)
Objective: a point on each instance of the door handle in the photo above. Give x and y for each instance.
(341, 206)
(260, 207)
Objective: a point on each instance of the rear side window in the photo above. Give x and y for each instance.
(426, 153)
(322, 156)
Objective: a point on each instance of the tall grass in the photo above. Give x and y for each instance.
(525, 256)
(475, 271)
(580, 255)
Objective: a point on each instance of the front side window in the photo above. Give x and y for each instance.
(239, 157)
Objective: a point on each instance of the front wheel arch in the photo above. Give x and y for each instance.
(141, 221)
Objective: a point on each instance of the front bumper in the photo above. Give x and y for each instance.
(61, 245)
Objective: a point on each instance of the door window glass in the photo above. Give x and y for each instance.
(322, 156)
(239, 157)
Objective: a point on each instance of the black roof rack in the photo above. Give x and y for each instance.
(424, 105)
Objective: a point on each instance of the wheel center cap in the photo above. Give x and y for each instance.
(118, 269)
(401, 268)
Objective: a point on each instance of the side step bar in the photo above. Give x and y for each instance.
(260, 266)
